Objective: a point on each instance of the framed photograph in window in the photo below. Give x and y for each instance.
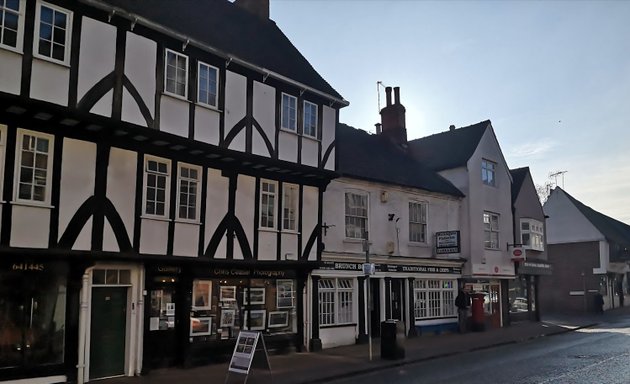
(285, 295)
(200, 326)
(227, 293)
(227, 318)
(202, 293)
(278, 319)
(257, 296)
(256, 320)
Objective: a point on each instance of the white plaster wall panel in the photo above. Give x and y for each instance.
(186, 241)
(235, 99)
(333, 214)
(131, 111)
(338, 336)
(97, 55)
(154, 237)
(258, 144)
(103, 107)
(140, 63)
(30, 226)
(238, 252)
(267, 245)
(245, 206)
(310, 149)
(330, 162)
(287, 146)
(566, 224)
(11, 73)
(109, 238)
(265, 114)
(238, 143)
(174, 116)
(216, 208)
(289, 250)
(121, 190)
(310, 210)
(78, 172)
(207, 125)
(329, 121)
(50, 82)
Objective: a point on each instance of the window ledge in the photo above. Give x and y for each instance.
(265, 229)
(31, 204)
(289, 232)
(418, 245)
(338, 325)
(155, 218)
(176, 97)
(208, 107)
(287, 130)
(37, 56)
(12, 49)
(352, 240)
(191, 222)
(492, 249)
(311, 138)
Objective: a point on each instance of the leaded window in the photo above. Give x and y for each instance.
(356, 208)
(157, 178)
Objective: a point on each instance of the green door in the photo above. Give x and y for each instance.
(107, 335)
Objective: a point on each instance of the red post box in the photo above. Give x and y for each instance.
(478, 316)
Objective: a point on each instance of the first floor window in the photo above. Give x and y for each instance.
(267, 204)
(290, 207)
(289, 112)
(34, 166)
(491, 230)
(54, 32)
(532, 234)
(335, 301)
(208, 82)
(434, 298)
(488, 171)
(188, 191)
(157, 178)
(356, 214)
(10, 23)
(310, 119)
(176, 73)
(417, 222)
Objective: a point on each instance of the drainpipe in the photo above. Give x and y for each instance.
(140, 322)
(83, 319)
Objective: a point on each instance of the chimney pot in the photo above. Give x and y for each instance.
(259, 8)
(396, 95)
(388, 95)
(378, 128)
(451, 128)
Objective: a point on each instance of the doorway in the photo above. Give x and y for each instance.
(375, 307)
(161, 341)
(396, 297)
(107, 332)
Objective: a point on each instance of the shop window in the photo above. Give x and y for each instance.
(518, 295)
(434, 298)
(32, 316)
(335, 301)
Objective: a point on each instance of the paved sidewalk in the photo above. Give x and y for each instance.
(351, 360)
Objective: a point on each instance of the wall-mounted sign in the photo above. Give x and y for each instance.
(447, 242)
(517, 254)
(404, 268)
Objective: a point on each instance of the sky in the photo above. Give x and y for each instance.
(552, 76)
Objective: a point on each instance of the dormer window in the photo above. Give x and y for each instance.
(488, 172)
(176, 74)
(289, 112)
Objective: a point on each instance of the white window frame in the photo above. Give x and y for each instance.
(421, 221)
(290, 208)
(167, 186)
(189, 179)
(18, 164)
(434, 298)
(271, 197)
(68, 31)
(536, 230)
(338, 306)
(3, 151)
(308, 107)
(488, 167)
(174, 92)
(356, 216)
(290, 127)
(488, 244)
(20, 27)
(214, 102)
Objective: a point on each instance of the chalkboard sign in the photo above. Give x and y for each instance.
(248, 345)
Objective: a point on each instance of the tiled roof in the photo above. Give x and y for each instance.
(450, 149)
(227, 28)
(375, 158)
(518, 176)
(612, 229)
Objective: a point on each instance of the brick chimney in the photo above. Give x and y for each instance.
(393, 118)
(259, 8)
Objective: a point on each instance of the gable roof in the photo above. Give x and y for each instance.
(450, 149)
(518, 176)
(613, 230)
(375, 158)
(233, 31)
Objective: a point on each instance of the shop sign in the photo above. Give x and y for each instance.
(247, 346)
(168, 269)
(517, 253)
(251, 273)
(447, 242)
(394, 268)
(534, 268)
(28, 266)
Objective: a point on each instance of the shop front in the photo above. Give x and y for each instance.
(194, 313)
(523, 291)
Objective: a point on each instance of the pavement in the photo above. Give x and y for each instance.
(351, 360)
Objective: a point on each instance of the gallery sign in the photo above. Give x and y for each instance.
(447, 242)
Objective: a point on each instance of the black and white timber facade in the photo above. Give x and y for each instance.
(162, 172)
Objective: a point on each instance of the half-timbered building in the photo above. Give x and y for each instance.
(162, 170)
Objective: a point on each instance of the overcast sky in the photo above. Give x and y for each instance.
(552, 76)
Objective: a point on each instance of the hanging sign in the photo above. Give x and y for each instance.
(246, 348)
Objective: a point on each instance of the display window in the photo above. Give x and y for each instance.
(32, 315)
(223, 307)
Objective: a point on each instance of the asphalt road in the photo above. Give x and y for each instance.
(596, 355)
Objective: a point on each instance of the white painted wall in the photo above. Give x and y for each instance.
(216, 208)
(267, 244)
(154, 236)
(140, 66)
(174, 115)
(329, 123)
(310, 149)
(11, 73)
(30, 227)
(121, 191)
(245, 205)
(50, 82)
(207, 125)
(566, 224)
(338, 336)
(78, 172)
(103, 107)
(97, 54)
(186, 239)
(287, 146)
(265, 114)
(235, 104)
(310, 209)
(289, 241)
